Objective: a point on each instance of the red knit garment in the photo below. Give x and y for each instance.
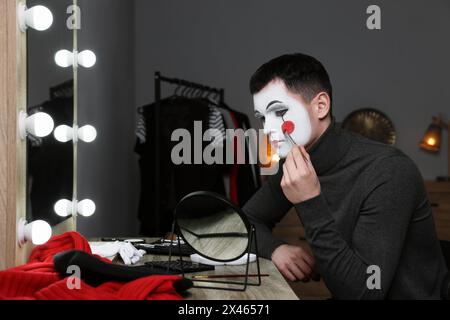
(38, 280)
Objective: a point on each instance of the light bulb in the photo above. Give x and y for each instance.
(38, 124)
(87, 58)
(86, 207)
(64, 58)
(63, 207)
(431, 141)
(38, 232)
(63, 133)
(276, 158)
(87, 133)
(39, 17)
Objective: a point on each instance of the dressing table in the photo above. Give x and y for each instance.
(273, 287)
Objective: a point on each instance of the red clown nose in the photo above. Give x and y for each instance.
(288, 127)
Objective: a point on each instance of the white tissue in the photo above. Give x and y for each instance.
(128, 253)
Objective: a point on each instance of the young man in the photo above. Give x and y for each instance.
(362, 203)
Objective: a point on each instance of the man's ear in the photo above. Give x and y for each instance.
(322, 105)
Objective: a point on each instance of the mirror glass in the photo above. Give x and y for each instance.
(213, 226)
(135, 184)
(50, 90)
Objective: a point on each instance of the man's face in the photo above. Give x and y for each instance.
(275, 105)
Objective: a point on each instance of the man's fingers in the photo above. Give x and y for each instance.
(305, 155)
(290, 157)
(304, 267)
(288, 274)
(296, 271)
(290, 170)
(290, 165)
(308, 259)
(286, 176)
(299, 158)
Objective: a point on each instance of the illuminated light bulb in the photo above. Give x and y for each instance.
(276, 158)
(86, 207)
(64, 208)
(38, 232)
(38, 124)
(87, 58)
(39, 17)
(431, 141)
(64, 58)
(86, 133)
(63, 133)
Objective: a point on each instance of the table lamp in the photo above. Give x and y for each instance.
(432, 139)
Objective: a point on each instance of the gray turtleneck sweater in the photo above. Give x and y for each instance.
(372, 211)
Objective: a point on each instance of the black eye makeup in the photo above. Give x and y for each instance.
(279, 109)
(281, 113)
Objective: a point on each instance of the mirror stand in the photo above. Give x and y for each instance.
(243, 284)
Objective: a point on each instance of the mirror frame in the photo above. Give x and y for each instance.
(225, 201)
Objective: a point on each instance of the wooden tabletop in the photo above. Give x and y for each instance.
(273, 287)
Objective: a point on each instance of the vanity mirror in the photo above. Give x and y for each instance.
(50, 89)
(217, 230)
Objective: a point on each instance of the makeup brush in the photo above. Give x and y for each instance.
(288, 127)
(227, 276)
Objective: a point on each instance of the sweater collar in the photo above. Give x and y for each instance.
(330, 148)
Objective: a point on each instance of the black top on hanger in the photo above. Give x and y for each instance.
(189, 89)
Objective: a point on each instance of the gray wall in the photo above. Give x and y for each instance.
(107, 168)
(402, 70)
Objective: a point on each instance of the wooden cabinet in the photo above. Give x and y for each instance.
(439, 197)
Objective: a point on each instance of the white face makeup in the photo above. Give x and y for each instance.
(274, 104)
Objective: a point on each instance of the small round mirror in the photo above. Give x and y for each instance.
(214, 227)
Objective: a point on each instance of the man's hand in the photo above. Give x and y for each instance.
(300, 181)
(294, 263)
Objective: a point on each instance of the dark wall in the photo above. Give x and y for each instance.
(107, 168)
(402, 69)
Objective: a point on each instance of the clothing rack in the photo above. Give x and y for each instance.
(159, 80)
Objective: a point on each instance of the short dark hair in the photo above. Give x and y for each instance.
(300, 73)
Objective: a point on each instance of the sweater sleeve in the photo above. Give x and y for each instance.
(267, 207)
(394, 187)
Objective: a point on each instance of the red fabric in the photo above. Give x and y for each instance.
(63, 242)
(38, 280)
